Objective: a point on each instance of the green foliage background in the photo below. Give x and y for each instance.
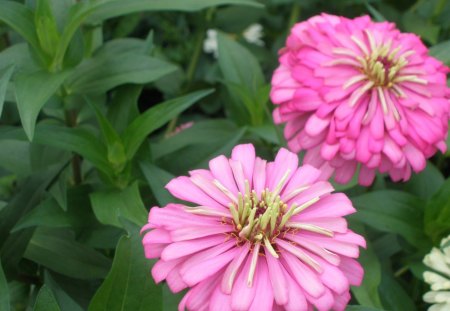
(91, 94)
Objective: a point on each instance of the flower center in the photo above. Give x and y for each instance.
(261, 219)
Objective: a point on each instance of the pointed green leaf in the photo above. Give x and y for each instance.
(156, 117)
(4, 291)
(4, 79)
(20, 18)
(129, 285)
(157, 178)
(46, 28)
(32, 93)
(118, 62)
(45, 300)
(367, 293)
(108, 206)
(116, 8)
(47, 214)
(78, 140)
(58, 251)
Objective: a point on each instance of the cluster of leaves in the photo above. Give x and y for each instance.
(91, 93)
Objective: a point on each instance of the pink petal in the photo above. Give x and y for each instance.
(162, 268)
(233, 269)
(263, 300)
(353, 270)
(285, 161)
(190, 233)
(305, 277)
(315, 125)
(259, 175)
(175, 282)
(220, 301)
(221, 170)
(203, 269)
(277, 279)
(246, 155)
(183, 189)
(189, 247)
(296, 299)
(303, 176)
(199, 296)
(241, 295)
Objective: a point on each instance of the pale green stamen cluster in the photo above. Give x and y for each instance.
(260, 219)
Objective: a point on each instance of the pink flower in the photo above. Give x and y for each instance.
(256, 235)
(352, 92)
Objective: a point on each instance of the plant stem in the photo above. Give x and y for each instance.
(295, 13)
(71, 121)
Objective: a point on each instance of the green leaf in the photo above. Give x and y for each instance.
(375, 13)
(124, 106)
(393, 211)
(108, 206)
(4, 79)
(206, 132)
(440, 51)
(58, 251)
(32, 92)
(12, 157)
(244, 80)
(47, 214)
(4, 291)
(393, 296)
(426, 183)
(116, 8)
(20, 18)
(115, 64)
(361, 308)
(78, 140)
(157, 178)
(129, 285)
(156, 117)
(367, 293)
(46, 28)
(62, 297)
(238, 65)
(437, 214)
(45, 300)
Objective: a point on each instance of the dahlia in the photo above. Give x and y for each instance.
(256, 235)
(355, 92)
(439, 279)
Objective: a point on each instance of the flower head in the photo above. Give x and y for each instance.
(439, 261)
(256, 235)
(253, 34)
(355, 92)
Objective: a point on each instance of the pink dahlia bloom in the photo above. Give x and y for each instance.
(352, 92)
(256, 235)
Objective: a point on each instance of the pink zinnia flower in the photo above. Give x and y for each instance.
(352, 92)
(256, 235)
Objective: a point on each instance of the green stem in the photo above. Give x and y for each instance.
(295, 13)
(71, 121)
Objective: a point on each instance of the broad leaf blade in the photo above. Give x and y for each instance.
(118, 62)
(117, 8)
(4, 79)
(108, 206)
(32, 92)
(154, 118)
(45, 300)
(58, 251)
(128, 285)
(4, 291)
(20, 18)
(77, 140)
(157, 178)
